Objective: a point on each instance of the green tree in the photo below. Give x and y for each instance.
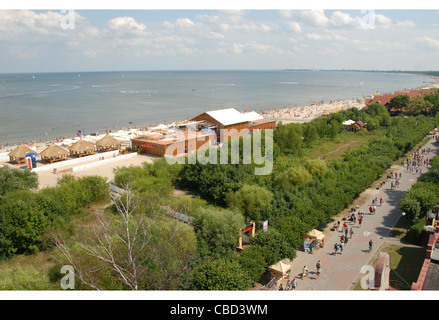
(15, 179)
(294, 176)
(275, 246)
(217, 231)
(22, 223)
(316, 166)
(411, 207)
(251, 200)
(400, 102)
(252, 261)
(220, 274)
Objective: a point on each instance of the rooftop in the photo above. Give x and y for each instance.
(229, 116)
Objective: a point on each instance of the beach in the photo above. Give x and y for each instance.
(309, 112)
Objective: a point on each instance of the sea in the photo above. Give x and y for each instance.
(44, 106)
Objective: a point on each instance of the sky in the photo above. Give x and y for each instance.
(34, 41)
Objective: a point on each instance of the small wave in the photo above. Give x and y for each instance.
(288, 82)
(130, 91)
(104, 85)
(39, 92)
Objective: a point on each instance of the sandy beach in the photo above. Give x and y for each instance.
(309, 112)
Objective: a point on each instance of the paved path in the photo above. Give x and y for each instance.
(339, 271)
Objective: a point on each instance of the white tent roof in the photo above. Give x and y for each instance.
(315, 234)
(348, 122)
(280, 267)
(227, 116)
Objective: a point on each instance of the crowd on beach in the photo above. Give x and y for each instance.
(313, 110)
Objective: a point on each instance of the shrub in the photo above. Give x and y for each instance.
(217, 231)
(220, 274)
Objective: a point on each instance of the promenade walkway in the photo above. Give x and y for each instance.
(339, 271)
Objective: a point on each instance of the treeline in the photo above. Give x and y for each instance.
(427, 105)
(419, 200)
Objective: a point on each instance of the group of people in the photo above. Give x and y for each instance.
(417, 159)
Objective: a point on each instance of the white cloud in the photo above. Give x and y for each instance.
(315, 18)
(382, 21)
(294, 26)
(343, 19)
(255, 47)
(430, 42)
(328, 36)
(184, 23)
(405, 24)
(126, 25)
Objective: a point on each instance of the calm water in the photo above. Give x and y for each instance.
(44, 106)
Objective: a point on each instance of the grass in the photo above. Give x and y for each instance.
(405, 265)
(335, 150)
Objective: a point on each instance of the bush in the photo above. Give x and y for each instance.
(220, 274)
(274, 246)
(15, 179)
(217, 231)
(24, 279)
(252, 261)
(251, 200)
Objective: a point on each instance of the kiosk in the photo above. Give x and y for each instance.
(313, 240)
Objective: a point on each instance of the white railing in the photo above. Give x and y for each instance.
(102, 162)
(75, 161)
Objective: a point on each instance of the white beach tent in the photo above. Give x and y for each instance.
(314, 234)
(280, 267)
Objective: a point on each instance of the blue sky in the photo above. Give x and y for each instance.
(106, 40)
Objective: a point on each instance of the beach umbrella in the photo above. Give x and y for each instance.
(53, 152)
(19, 154)
(82, 146)
(108, 142)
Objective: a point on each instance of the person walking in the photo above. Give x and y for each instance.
(351, 232)
(341, 247)
(335, 248)
(293, 284)
(318, 267)
(360, 220)
(305, 272)
(370, 245)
